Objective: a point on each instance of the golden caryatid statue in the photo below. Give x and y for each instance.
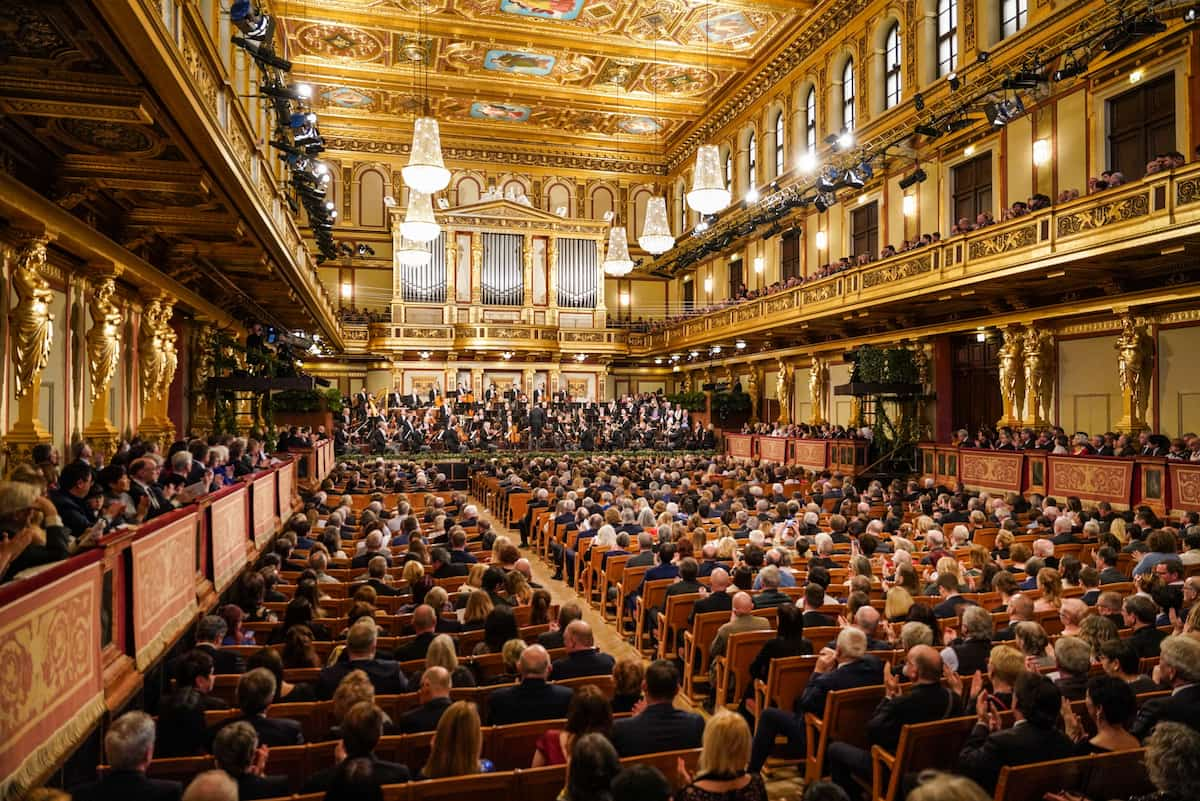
(1012, 378)
(157, 352)
(31, 320)
(783, 391)
(104, 337)
(1135, 364)
(752, 390)
(1039, 376)
(818, 390)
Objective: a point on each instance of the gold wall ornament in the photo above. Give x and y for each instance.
(818, 390)
(752, 388)
(1135, 366)
(158, 360)
(1039, 376)
(31, 320)
(1012, 377)
(104, 337)
(783, 391)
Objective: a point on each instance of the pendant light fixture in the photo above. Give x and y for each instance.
(616, 259)
(709, 193)
(656, 227)
(425, 171)
(413, 254)
(419, 223)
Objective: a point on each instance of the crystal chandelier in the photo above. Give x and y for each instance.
(616, 259)
(419, 223)
(709, 193)
(413, 254)
(656, 230)
(426, 172)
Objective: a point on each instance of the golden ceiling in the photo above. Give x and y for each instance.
(569, 72)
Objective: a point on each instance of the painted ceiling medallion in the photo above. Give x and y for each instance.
(340, 41)
(499, 112)
(348, 97)
(565, 10)
(728, 27)
(518, 62)
(640, 126)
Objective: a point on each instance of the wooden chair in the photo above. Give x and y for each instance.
(844, 720)
(180, 769)
(610, 576)
(653, 596)
(922, 746)
(290, 761)
(631, 581)
(786, 680)
(1031, 782)
(511, 747)
(696, 646)
(673, 619)
(591, 571)
(1118, 774)
(541, 784)
(733, 667)
(502, 785)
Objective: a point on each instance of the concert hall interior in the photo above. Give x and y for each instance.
(600, 400)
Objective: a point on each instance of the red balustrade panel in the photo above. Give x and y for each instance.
(263, 506)
(285, 478)
(229, 529)
(1185, 487)
(1090, 479)
(812, 454)
(51, 682)
(773, 449)
(164, 583)
(739, 446)
(992, 471)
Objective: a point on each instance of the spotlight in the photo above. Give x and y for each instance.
(845, 140)
(958, 124)
(827, 182)
(365, 250)
(1024, 80)
(280, 91)
(808, 162)
(984, 56)
(929, 131)
(864, 167)
(854, 180)
(915, 177)
(954, 82)
(1070, 69)
(262, 53)
(774, 186)
(740, 344)
(1004, 112)
(752, 195)
(1192, 14)
(919, 102)
(253, 24)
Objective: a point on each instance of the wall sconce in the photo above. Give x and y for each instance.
(758, 264)
(909, 205)
(708, 284)
(822, 240)
(625, 298)
(1041, 151)
(347, 289)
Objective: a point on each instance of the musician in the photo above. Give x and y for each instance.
(451, 439)
(489, 393)
(393, 399)
(378, 439)
(539, 393)
(360, 400)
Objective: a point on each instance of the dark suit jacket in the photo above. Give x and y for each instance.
(271, 731)
(76, 517)
(1110, 575)
(863, 672)
(1146, 641)
(451, 570)
(925, 703)
(947, 607)
(770, 598)
(417, 649)
(1180, 707)
(251, 787)
(462, 558)
(126, 785)
(381, 588)
(660, 727)
(985, 754)
(551, 640)
(582, 663)
(385, 773)
(817, 620)
(641, 558)
(713, 602)
(384, 674)
(681, 587)
(424, 717)
(532, 699)
(360, 561)
(224, 661)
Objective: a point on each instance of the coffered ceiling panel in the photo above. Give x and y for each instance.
(607, 73)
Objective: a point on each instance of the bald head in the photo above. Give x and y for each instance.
(719, 580)
(212, 785)
(435, 683)
(743, 604)
(867, 619)
(926, 663)
(578, 636)
(424, 619)
(534, 663)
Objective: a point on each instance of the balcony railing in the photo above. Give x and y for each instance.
(385, 337)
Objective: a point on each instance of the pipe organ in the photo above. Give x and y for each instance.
(576, 271)
(426, 283)
(503, 278)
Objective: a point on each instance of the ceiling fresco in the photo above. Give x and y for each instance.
(588, 70)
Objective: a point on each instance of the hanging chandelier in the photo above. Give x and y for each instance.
(426, 172)
(709, 193)
(656, 230)
(413, 254)
(419, 223)
(616, 258)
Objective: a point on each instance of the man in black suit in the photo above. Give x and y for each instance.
(718, 598)
(236, 751)
(567, 613)
(659, 726)
(458, 549)
(360, 647)
(361, 729)
(377, 577)
(952, 602)
(1106, 563)
(435, 700)
(210, 632)
(1140, 614)
(814, 599)
(534, 698)
(424, 621)
(539, 501)
(1178, 668)
(255, 691)
(770, 596)
(927, 701)
(442, 566)
(645, 555)
(70, 498)
(129, 748)
(537, 422)
(846, 667)
(583, 658)
(1034, 737)
(194, 670)
(143, 477)
(373, 546)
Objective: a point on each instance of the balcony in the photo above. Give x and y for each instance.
(389, 338)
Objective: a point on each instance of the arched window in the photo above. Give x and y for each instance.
(1013, 16)
(751, 161)
(848, 95)
(810, 120)
(947, 36)
(779, 143)
(891, 66)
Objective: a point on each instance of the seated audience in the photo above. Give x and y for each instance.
(129, 748)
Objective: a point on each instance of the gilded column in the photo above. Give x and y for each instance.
(158, 360)
(527, 382)
(784, 379)
(104, 353)
(600, 311)
(1135, 366)
(451, 276)
(552, 281)
(818, 391)
(554, 381)
(477, 383)
(753, 389)
(450, 374)
(1039, 376)
(1012, 377)
(31, 332)
(476, 270)
(527, 278)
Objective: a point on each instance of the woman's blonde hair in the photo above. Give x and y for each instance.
(898, 602)
(475, 575)
(413, 572)
(948, 564)
(442, 653)
(937, 786)
(726, 746)
(511, 654)
(354, 687)
(1006, 663)
(479, 606)
(518, 588)
(1004, 539)
(456, 743)
(1117, 529)
(1050, 583)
